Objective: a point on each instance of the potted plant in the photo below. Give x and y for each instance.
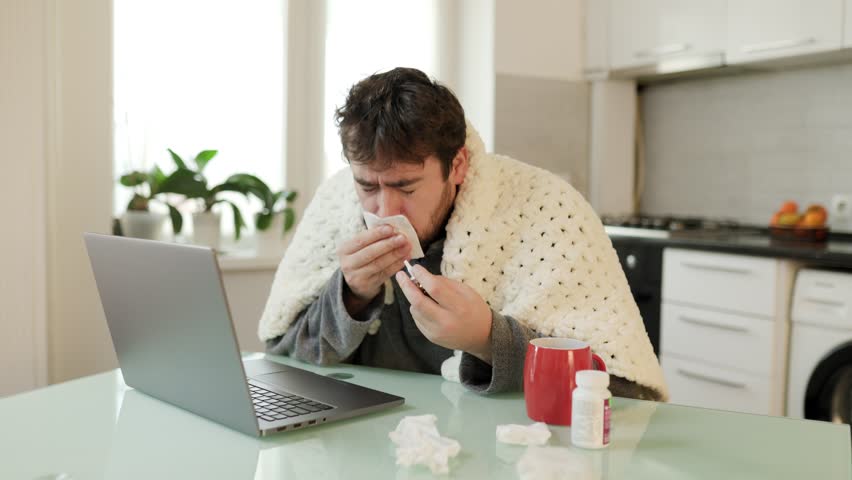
(192, 184)
(275, 218)
(138, 220)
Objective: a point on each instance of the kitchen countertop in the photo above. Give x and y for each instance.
(836, 252)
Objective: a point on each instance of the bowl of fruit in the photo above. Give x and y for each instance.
(808, 226)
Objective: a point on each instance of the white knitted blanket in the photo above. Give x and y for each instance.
(520, 236)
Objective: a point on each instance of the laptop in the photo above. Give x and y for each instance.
(173, 334)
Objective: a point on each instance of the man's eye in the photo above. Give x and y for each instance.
(368, 189)
(407, 192)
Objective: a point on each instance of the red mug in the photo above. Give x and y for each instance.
(549, 377)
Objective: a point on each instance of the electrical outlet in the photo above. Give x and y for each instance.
(841, 208)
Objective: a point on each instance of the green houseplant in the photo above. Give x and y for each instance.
(139, 220)
(192, 184)
(276, 216)
(273, 204)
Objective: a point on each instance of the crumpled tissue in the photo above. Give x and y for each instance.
(450, 367)
(535, 434)
(419, 443)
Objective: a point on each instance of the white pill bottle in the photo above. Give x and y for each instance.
(590, 414)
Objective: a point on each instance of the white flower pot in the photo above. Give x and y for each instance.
(272, 242)
(207, 229)
(139, 224)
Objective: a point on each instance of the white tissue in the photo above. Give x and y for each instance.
(535, 434)
(555, 463)
(419, 443)
(401, 224)
(450, 367)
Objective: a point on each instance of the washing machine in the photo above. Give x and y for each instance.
(820, 381)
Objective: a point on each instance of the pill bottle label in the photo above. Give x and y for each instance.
(587, 421)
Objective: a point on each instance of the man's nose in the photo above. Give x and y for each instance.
(389, 203)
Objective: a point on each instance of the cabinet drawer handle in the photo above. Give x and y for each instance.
(777, 45)
(707, 323)
(822, 301)
(717, 268)
(662, 50)
(709, 379)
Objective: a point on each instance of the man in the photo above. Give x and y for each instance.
(411, 153)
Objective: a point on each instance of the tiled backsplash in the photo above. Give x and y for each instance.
(738, 146)
(544, 122)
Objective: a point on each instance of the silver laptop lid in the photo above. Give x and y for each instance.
(171, 327)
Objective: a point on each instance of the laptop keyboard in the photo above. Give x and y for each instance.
(272, 406)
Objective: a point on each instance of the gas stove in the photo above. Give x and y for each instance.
(665, 226)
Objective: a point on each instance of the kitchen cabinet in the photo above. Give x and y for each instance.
(847, 30)
(654, 31)
(769, 29)
(724, 330)
(737, 283)
(702, 384)
(596, 62)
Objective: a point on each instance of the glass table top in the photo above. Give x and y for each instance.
(97, 427)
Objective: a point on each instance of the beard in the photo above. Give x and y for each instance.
(438, 219)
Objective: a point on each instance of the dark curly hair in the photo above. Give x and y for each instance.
(400, 115)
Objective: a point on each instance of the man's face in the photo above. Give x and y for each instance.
(419, 192)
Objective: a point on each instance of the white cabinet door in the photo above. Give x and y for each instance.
(708, 386)
(631, 31)
(690, 28)
(720, 281)
(767, 29)
(597, 38)
(729, 340)
(847, 31)
(652, 31)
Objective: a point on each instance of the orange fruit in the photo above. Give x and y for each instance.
(774, 220)
(818, 212)
(789, 207)
(788, 219)
(813, 219)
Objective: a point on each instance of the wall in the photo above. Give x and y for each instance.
(539, 38)
(739, 146)
(56, 129)
(612, 172)
(473, 70)
(23, 281)
(541, 100)
(545, 122)
(80, 182)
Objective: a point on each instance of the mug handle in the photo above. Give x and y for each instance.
(600, 365)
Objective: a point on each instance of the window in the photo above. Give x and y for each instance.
(368, 36)
(195, 75)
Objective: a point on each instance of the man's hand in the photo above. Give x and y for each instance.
(367, 260)
(455, 316)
